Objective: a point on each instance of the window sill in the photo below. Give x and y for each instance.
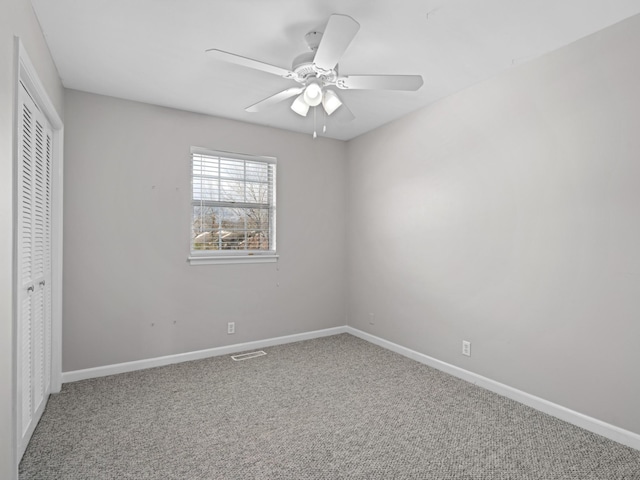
(222, 260)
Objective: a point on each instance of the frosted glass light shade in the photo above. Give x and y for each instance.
(313, 94)
(330, 102)
(300, 106)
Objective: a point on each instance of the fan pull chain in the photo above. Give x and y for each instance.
(315, 135)
(324, 121)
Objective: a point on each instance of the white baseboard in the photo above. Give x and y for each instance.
(591, 424)
(87, 373)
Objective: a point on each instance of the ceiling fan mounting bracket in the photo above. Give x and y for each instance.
(313, 39)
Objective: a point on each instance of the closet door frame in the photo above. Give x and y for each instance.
(26, 75)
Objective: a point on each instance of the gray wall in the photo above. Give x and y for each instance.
(16, 18)
(507, 215)
(126, 236)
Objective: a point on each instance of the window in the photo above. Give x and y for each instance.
(233, 207)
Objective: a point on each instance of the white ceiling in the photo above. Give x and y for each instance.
(153, 51)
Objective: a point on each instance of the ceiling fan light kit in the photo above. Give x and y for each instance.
(300, 106)
(318, 69)
(330, 101)
(313, 93)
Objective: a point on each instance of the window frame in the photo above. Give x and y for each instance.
(209, 257)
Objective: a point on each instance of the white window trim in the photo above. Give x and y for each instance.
(231, 257)
(221, 260)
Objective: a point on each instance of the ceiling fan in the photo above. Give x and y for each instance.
(316, 71)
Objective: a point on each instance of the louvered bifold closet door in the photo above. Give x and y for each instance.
(34, 265)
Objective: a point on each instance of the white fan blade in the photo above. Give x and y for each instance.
(343, 114)
(272, 100)
(380, 82)
(336, 38)
(249, 62)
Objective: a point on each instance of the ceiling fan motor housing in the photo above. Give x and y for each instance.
(304, 67)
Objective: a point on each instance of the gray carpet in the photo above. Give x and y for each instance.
(330, 408)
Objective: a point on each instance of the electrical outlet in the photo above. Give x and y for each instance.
(466, 348)
(372, 319)
(231, 328)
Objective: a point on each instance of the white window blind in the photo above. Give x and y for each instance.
(233, 205)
